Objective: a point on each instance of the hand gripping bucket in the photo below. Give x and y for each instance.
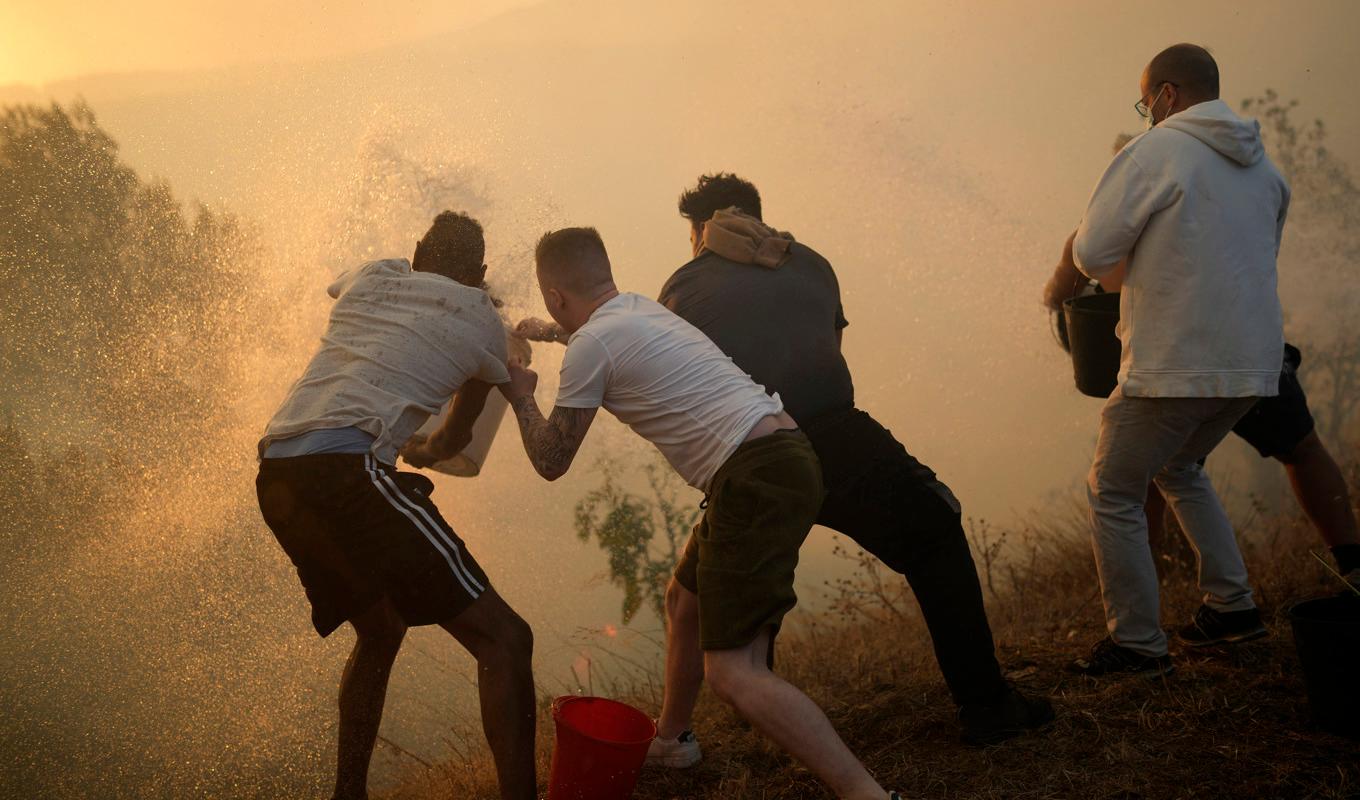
(1090, 321)
(599, 750)
(468, 464)
(1327, 637)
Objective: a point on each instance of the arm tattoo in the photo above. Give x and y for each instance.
(551, 443)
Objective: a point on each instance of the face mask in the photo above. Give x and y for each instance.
(1148, 121)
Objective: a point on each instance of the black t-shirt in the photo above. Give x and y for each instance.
(780, 325)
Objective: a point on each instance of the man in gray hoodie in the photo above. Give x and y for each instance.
(1187, 220)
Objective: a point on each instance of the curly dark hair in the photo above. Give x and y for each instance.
(453, 247)
(716, 192)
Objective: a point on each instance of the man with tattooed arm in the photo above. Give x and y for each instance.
(726, 437)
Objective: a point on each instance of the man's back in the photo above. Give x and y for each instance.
(663, 378)
(779, 324)
(398, 344)
(1200, 316)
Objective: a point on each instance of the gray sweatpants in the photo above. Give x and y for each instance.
(1146, 439)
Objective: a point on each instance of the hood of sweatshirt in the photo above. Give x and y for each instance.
(1215, 124)
(744, 239)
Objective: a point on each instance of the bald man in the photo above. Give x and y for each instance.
(1187, 221)
(1279, 428)
(726, 437)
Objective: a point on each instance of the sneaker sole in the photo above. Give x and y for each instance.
(1235, 638)
(1147, 672)
(673, 762)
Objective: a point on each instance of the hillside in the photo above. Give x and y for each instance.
(1229, 723)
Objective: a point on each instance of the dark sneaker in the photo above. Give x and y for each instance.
(1222, 627)
(1009, 717)
(1108, 658)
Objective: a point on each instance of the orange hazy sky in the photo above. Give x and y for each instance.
(50, 40)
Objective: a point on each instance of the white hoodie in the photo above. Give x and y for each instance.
(1198, 209)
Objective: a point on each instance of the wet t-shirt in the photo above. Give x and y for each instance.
(399, 343)
(778, 324)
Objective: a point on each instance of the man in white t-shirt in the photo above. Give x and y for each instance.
(369, 546)
(1188, 217)
(726, 437)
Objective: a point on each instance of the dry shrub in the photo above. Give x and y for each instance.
(1230, 722)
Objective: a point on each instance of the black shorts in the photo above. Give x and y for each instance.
(1276, 425)
(358, 531)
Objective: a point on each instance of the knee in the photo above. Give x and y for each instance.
(515, 640)
(1177, 476)
(680, 602)
(726, 677)
(1108, 491)
(1310, 450)
(383, 633)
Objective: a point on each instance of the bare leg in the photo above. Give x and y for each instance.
(363, 688)
(503, 645)
(1321, 490)
(684, 661)
(787, 716)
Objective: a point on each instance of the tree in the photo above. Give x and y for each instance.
(119, 311)
(1322, 247)
(625, 526)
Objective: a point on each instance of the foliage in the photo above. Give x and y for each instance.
(1322, 247)
(114, 298)
(626, 527)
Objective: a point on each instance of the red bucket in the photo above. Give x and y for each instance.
(600, 747)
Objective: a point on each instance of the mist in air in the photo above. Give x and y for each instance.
(158, 643)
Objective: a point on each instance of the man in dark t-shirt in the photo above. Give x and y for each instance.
(774, 306)
(798, 353)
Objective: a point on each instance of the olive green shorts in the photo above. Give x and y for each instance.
(741, 557)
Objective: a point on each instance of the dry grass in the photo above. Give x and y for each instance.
(1229, 723)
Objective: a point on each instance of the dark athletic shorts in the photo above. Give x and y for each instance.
(1276, 425)
(741, 557)
(358, 531)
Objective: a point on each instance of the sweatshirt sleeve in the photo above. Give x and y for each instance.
(1285, 193)
(1121, 205)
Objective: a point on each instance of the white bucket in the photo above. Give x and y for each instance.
(469, 463)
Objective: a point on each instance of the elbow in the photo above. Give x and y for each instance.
(550, 472)
(1081, 255)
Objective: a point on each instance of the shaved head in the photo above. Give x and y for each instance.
(574, 260)
(1188, 67)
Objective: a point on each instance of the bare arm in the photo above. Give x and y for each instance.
(1067, 280)
(540, 330)
(456, 432)
(550, 443)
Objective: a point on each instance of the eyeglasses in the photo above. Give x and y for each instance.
(1142, 106)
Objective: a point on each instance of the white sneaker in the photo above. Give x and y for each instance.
(677, 753)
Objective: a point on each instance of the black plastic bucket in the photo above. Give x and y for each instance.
(1327, 636)
(1090, 321)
